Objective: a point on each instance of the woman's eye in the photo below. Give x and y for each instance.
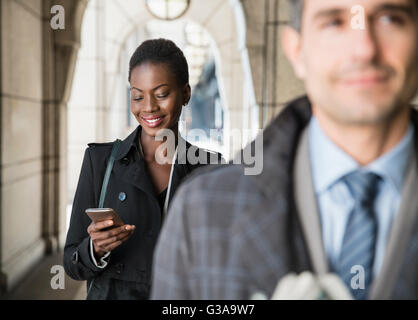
(163, 95)
(137, 98)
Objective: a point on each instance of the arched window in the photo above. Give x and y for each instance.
(167, 9)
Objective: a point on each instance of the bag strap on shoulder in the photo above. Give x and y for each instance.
(109, 167)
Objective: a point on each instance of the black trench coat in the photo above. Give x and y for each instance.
(132, 195)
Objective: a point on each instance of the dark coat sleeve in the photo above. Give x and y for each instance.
(77, 261)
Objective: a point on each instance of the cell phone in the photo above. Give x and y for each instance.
(102, 214)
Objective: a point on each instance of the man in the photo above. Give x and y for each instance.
(337, 191)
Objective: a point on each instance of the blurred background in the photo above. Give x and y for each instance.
(63, 88)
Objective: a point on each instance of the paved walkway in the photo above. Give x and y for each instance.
(37, 284)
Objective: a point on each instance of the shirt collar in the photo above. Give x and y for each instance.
(393, 164)
(330, 163)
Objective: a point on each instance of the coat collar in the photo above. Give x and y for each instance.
(129, 143)
(280, 141)
(136, 173)
(132, 140)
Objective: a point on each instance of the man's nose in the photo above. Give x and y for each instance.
(365, 44)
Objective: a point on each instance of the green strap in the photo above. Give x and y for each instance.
(115, 149)
(109, 168)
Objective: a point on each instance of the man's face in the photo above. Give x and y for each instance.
(358, 76)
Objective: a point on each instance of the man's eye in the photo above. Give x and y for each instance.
(335, 22)
(137, 98)
(389, 19)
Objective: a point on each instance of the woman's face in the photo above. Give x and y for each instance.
(156, 97)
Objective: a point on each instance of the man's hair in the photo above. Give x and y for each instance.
(161, 51)
(296, 12)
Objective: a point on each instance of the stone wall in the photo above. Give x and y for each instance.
(274, 80)
(21, 135)
(36, 70)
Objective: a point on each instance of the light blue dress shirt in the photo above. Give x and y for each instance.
(330, 163)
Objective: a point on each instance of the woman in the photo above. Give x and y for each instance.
(119, 259)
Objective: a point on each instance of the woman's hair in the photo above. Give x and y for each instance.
(161, 51)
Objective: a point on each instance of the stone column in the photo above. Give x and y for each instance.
(274, 80)
(37, 65)
(21, 89)
(66, 44)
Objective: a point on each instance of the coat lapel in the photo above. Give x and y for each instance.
(130, 165)
(132, 169)
(401, 232)
(307, 207)
(181, 166)
(136, 174)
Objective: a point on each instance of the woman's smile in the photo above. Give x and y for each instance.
(153, 121)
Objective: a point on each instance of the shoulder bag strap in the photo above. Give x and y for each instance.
(109, 168)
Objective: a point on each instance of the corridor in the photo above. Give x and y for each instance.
(64, 66)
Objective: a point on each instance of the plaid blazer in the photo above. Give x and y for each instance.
(228, 235)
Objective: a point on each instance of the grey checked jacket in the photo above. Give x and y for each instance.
(228, 235)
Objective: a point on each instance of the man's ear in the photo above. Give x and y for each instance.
(186, 94)
(292, 47)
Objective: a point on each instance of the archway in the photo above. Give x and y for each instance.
(100, 69)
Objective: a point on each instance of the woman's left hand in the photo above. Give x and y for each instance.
(108, 240)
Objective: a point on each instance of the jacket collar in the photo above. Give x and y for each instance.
(139, 176)
(128, 143)
(280, 141)
(131, 141)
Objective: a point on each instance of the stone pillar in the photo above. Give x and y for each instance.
(21, 139)
(3, 283)
(37, 65)
(274, 80)
(49, 134)
(66, 44)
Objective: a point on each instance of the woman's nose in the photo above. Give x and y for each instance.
(150, 105)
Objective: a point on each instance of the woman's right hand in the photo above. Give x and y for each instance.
(108, 240)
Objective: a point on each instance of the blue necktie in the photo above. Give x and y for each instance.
(355, 265)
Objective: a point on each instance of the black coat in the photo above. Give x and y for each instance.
(128, 272)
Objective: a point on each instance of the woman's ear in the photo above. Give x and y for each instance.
(292, 47)
(186, 94)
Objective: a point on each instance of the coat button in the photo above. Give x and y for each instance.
(119, 267)
(125, 161)
(75, 257)
(122, 196)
